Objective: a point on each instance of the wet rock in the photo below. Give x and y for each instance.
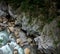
(14, 45)
(1, 52)
(3, 37)
(6, 49)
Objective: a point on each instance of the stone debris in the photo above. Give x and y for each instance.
(16, 39)
(22, 38)
(18, 42)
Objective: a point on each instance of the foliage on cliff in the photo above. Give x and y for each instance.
(45, 10)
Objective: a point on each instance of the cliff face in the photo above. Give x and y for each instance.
(49, 32)
(40, 23)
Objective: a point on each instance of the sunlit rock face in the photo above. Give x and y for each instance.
(45, 44)
(52, 30)
(31, 27)
(49, 39)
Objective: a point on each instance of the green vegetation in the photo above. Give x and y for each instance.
(58, 24)
(46, 8)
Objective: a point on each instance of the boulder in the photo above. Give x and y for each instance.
(27, 51)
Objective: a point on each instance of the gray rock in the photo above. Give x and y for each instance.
(6, 10)
(14, 45)
(23, 37)
(5, 49)
(46, 45)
